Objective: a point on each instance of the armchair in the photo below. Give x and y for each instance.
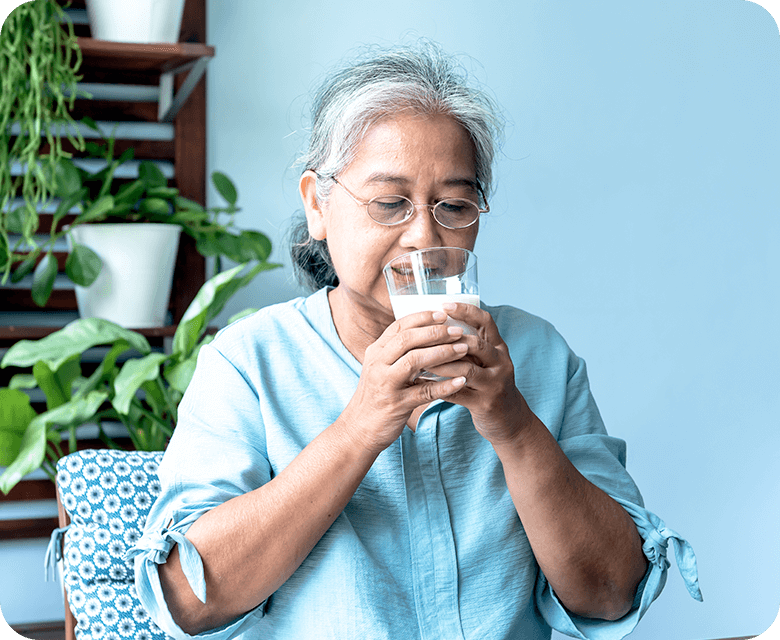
(104, 498)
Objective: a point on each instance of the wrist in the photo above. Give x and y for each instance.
(510, 425)
(352, 434)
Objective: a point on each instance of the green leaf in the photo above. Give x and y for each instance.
(225, 186)
(189, 217)
(97, 210)
(255, 244)
(83, 265)
(179, 375)
(43, 279)
(106, 368)
(15, 414)
(27, 265)
(94, 149)
(23, 381)
(126, 156)
(154, 205)
(74, 338)
(230, 246)
(14, 220)
(188, 205)
(89, 122)
(4, 254)
(150, 173)
(130, 192)
(57, 384)
(68, 202)
(208, 245)
(132, 375)
(33, 446)
(121, 211)
(208, 303)
(154, 396)
(67, 178)
(163, 192)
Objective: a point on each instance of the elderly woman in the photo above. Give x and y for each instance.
(315, 487)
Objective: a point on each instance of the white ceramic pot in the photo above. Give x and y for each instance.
(146, 21)
(134, 285)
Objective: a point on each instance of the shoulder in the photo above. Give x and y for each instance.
(515, 324)
(533, 340)
(276, 327)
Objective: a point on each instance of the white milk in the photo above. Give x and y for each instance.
(403, 305)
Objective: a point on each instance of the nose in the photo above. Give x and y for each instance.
(421, 230)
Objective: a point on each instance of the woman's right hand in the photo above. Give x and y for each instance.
(387, 392)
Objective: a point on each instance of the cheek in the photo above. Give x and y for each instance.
(465, 239)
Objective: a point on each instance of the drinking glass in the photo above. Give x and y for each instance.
(424, 280)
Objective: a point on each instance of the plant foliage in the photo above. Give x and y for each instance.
(39, 61)
(133, 384)
(98, 196)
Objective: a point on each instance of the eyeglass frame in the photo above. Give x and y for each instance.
(431, 207)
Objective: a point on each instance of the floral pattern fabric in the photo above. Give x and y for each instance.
(108, 495)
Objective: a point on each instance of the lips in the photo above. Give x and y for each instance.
(405, 269)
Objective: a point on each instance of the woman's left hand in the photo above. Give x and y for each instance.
(498, 409)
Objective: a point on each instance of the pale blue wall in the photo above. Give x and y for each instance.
(636, 209)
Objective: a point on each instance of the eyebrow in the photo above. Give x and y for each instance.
(389, 178)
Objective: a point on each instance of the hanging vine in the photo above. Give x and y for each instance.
(39, 63)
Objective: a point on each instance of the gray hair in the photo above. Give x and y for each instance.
(419, 79)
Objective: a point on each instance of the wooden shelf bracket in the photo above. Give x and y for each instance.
(169, 102)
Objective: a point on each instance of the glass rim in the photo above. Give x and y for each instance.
(471, 255)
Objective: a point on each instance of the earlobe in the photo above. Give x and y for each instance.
(315, 216)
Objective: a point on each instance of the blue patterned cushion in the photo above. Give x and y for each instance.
(107, 495)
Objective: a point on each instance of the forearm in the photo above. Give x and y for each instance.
(586, 544)
(253, 543)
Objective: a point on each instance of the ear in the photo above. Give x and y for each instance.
(315, 215)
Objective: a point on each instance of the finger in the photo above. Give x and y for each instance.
(402, 342)
(475, 317)
(427, 390)
(414, 362)
(419, 319)
(481, 351)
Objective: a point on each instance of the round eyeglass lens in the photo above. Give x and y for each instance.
(456, 213)
(390, 209)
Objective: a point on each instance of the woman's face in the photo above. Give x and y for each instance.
(424, 158)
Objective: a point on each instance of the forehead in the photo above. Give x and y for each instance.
(404, 149)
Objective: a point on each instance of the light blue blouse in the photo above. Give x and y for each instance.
(430, 545)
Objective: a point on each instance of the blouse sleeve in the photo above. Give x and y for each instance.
(601, 459)
(217, 452)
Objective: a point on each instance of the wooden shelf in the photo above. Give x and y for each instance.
(163, 61)
(131, 56)
(28, 332)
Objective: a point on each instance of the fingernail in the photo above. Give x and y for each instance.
(460, 348)
(455, 331)
(458, 382)
(439, 316)
(449, 306)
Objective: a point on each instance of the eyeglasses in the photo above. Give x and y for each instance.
(451, 213)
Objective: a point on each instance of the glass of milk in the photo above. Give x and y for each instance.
(426, 279)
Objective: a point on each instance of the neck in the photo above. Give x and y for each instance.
(359, 321)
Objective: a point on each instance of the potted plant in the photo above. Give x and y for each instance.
(107, 208)
(32, 440)
(39, 62)
(146, 21)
